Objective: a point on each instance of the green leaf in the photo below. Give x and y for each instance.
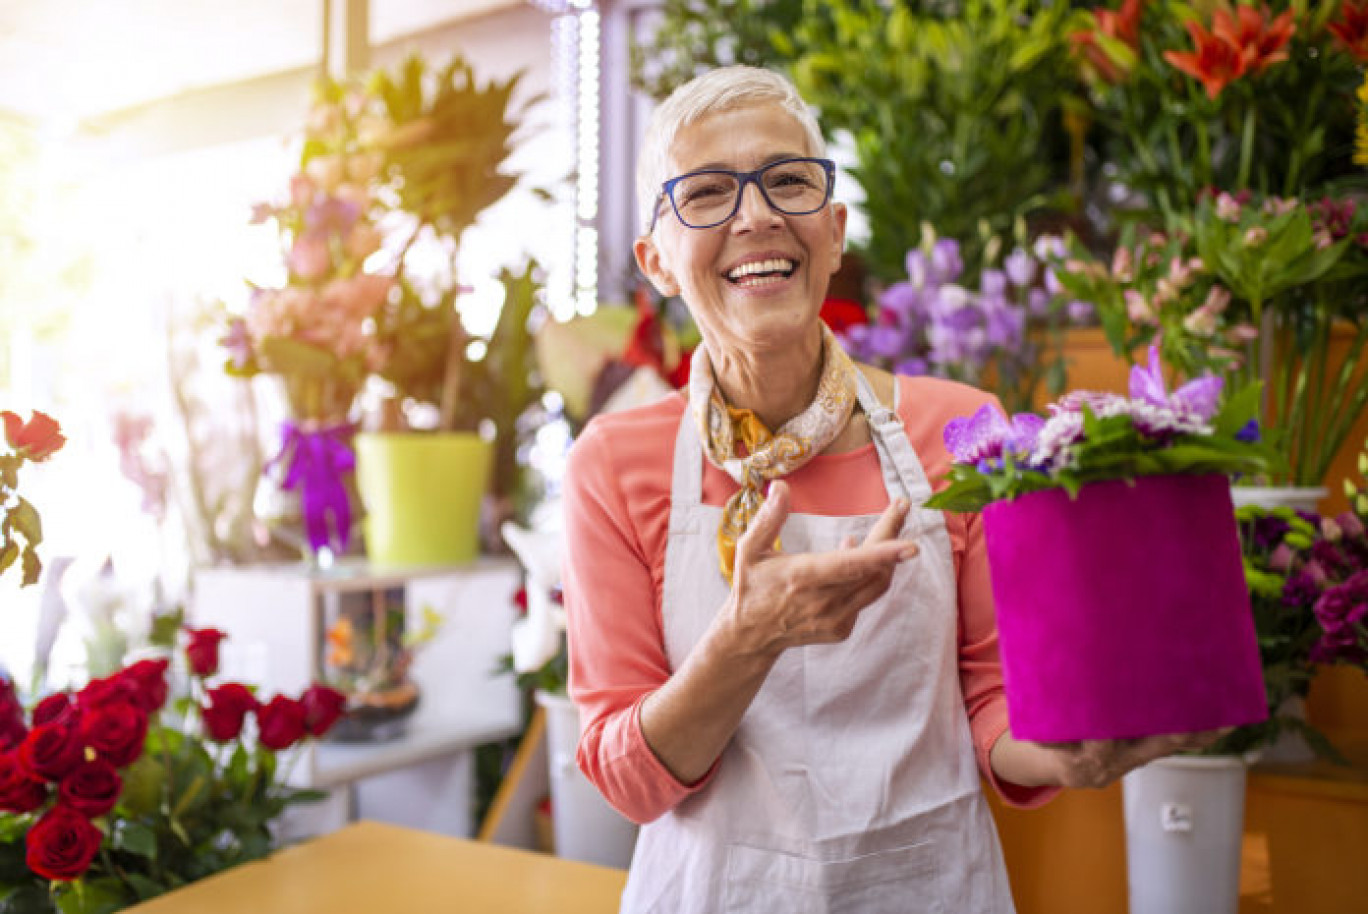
(144, 887)
(135, 838)
(24, 518)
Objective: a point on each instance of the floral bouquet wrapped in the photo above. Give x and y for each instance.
(107, 798)
(1115, 564)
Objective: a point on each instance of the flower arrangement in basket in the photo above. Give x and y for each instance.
(1114, 558)
(108, 798)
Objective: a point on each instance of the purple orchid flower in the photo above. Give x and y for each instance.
(988, 434)
(901, 298)
(1199, 397)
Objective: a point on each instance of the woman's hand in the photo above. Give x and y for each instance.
(1089, 763)
(782, 600)
(777, 601)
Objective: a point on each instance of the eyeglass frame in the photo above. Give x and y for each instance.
(743, 178)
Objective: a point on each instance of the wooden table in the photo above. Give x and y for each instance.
(369, 867)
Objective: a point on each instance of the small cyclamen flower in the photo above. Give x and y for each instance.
(1256, 236)
(1227, 208)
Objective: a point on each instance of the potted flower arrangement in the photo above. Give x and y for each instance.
(1006, 334)
(316, 334)
(440, 140)
(1079, 511)
(108, 798)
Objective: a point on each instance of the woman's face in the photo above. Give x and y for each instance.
(734, 310)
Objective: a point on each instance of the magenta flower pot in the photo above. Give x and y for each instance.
(1124, 613)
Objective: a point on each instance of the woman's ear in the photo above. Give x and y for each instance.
(649, 260)
(839, 212)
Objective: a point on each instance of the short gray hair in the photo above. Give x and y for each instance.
(722, 89)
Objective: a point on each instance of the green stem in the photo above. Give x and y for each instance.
(1251, 120)
(1203, 154)
(1349, 412)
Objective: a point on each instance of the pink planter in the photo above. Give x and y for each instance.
(1124, 613)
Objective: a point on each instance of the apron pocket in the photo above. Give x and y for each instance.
(900, 880)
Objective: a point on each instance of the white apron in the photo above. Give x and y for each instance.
(851, 784)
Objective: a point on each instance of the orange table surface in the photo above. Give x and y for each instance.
(368, 867)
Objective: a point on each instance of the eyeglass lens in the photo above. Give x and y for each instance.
(708, 198)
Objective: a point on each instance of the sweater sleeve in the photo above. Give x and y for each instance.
(616, 645)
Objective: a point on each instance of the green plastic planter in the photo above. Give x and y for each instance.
(422, 492)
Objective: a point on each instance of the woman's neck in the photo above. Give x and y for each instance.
(775, 385)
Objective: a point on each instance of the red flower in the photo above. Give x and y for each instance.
(92, 789)
(19, 792)
(12, 726)
(678, 378)
(149, 678)
(117, 689)
(1351, 31)
(1217, 62)
(203, 650)
(322, 707)
(36, 439)
(61, 844)
(280, 723)
(1261, 43)
(50, 751)
(841, 314)
(226, 711)
(57, 707)
(1122, 25)
(520, 600)
(116, 732)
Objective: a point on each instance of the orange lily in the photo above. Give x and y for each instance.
(36, 439)
(1262, 43)
(1123, 25)
(1217, 61)
(1351, 31)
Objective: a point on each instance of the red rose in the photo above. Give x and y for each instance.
(12, 726)
(19, 792)
(149, 677)
(61, 844)
(92, 789)
(112, 690)
(227, 708)
(116, 732)
(280, 724)
(53, 709)
(203, 650)
(50, 751)
(322, 707)
(36, 439)
(840, 314)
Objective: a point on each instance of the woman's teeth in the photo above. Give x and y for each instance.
(761, 272)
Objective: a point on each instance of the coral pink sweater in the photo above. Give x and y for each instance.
(617, 503)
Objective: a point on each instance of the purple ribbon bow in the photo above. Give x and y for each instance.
(316, 462)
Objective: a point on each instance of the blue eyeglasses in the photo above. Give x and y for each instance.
(703, 199)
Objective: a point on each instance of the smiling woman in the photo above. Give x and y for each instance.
(786, 664)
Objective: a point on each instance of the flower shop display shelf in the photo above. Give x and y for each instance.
(419, 773)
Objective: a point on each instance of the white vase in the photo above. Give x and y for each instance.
(1184, 832)
(1301, 498)
(586, 828)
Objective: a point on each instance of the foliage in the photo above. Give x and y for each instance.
(1308, 587)
(109, 799)
(1091, 437)
(1249, 288)
(1237, 97)
(21, 529)
(954, 108)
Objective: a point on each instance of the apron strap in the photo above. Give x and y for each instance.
(902, 471)
(686, 488)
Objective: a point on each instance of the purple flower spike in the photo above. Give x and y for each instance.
(1147, 384)
(917, 268)
(978, 437)
(1020, 267)
(946, 265)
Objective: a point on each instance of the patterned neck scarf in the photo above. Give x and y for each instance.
(769, 455)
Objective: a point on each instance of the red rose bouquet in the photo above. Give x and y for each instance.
(108, 797)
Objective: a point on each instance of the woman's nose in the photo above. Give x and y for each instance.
(754, 210)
